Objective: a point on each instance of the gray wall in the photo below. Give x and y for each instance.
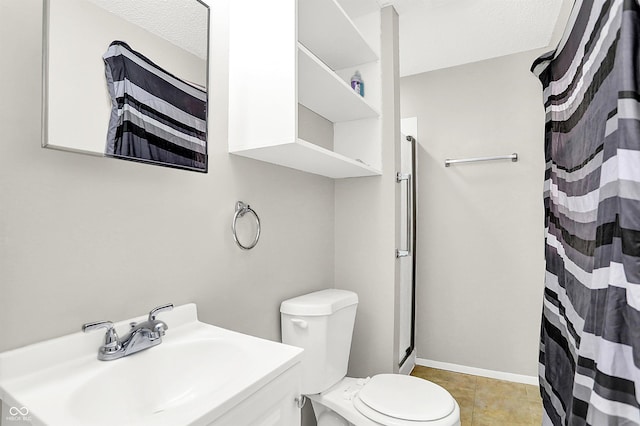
(480, 227)
(480, 253)
(86, 238)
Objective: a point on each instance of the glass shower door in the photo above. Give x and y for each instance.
(405, 252)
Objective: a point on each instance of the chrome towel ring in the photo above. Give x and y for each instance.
(241, 210)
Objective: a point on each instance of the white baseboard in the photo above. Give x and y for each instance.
(408, 364)
(500, 375)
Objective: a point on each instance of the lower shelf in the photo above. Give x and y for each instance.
(307, 157)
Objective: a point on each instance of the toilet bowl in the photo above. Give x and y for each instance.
(396, 400)
(322, 324)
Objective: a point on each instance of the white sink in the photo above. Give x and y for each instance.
(194, 376)
(150, 382)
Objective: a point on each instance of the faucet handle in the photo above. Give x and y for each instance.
(111, 340)
(155, 311)
(90, 326)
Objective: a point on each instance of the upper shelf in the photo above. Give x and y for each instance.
(325, 93)
(338, 44)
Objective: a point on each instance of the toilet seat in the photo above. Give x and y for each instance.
(343, 398)
(397, 400)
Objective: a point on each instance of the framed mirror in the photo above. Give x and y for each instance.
(127, 79)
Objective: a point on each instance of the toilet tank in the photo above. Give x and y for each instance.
(322, 324)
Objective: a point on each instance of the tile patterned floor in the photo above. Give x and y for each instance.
(488, 402)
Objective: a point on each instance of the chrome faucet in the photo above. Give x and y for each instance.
(141, 336)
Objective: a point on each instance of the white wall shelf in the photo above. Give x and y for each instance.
(311, 158)
(322, 39)
(322, 91)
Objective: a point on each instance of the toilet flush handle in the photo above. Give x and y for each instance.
(300, 323)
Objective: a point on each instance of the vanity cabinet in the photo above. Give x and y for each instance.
(290, 99)
(272, 405)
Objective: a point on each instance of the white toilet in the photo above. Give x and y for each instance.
(322, 324)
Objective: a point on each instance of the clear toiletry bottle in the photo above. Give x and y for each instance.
(357, 84)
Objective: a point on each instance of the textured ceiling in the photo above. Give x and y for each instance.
(181, 22)
(442, 33)
(434, 34)
(356, 8)
(438, 34)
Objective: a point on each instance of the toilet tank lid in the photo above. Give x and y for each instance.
(323, 302)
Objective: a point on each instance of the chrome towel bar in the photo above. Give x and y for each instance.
(513, 157)
(241, 210)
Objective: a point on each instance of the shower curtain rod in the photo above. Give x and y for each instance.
(513, 157)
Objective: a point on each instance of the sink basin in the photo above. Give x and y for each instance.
(194, 376)
(155, 380)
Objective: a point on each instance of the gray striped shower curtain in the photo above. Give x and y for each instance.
(590, 335)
